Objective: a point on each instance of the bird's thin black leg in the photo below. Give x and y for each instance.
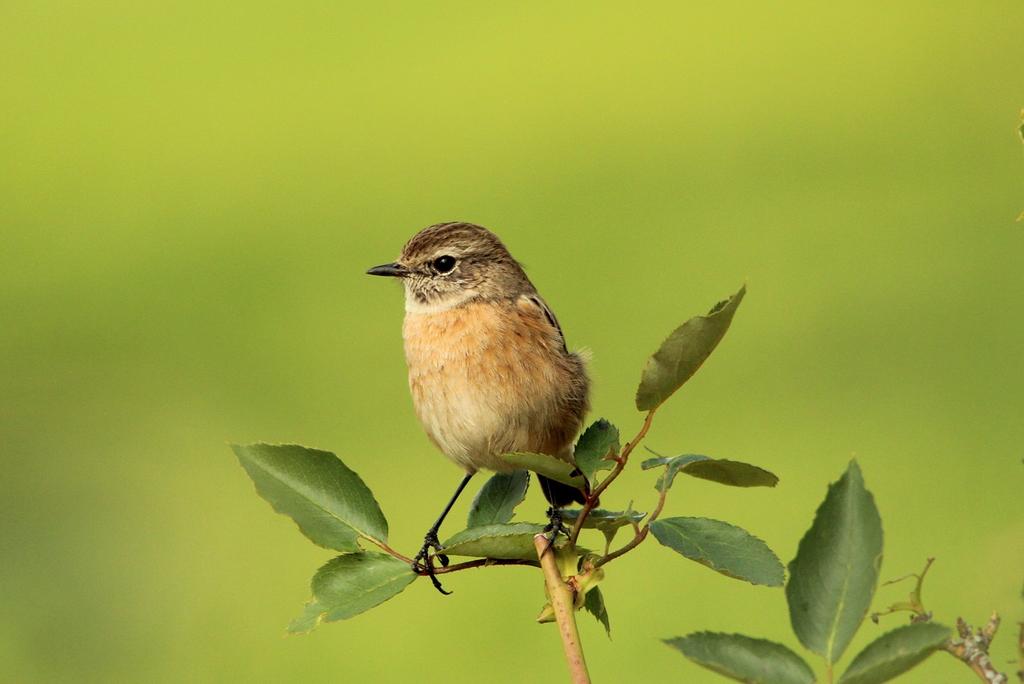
(558, 495)
(555, 524)
(431, 542)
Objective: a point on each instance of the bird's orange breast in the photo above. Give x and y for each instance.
(487, 378)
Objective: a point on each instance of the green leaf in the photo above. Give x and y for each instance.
(513, 540)
(895, 652)
(659, 460)
(497, 499)
(835, 572)
(724, 548)
(673, 465)
(597, 441)
(607, 522)
(312, 616)
(683, 352)
(351, 584)
(732, 473)
(594, 604)
(752, 661)
(599, 518)
(548, 466)
(720, 470)
(330, 503)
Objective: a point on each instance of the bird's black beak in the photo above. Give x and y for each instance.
(393, 270)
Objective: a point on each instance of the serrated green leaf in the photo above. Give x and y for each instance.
(548, 466)
(720, 470)
(496, 501)
(895, 652)
(328, 501)
(594, 604)
(683, 352)
(748, 660)
(596, 442)
(351, 584)
(835, 572)
(724, 548)
(607, 522)
(513, 540)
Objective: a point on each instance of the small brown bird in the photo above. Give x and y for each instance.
(489, 369)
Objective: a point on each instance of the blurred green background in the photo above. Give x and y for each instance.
(190, 193)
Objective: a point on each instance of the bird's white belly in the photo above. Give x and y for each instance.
(465, 430)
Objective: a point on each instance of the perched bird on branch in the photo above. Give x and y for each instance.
(489, 369)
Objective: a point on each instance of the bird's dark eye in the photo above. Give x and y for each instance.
(444, 264)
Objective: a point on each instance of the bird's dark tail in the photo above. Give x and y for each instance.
(560, 495)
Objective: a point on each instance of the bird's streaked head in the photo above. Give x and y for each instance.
(451, 264)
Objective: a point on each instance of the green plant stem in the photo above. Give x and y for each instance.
(620, 464)
(561, 596)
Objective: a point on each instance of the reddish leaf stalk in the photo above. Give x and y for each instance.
(620, 464)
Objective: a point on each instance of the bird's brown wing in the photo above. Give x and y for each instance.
(574, 399)
(549, 315)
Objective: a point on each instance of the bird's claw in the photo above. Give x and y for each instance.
(430, 543)
(555, 525)
(423, 562)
